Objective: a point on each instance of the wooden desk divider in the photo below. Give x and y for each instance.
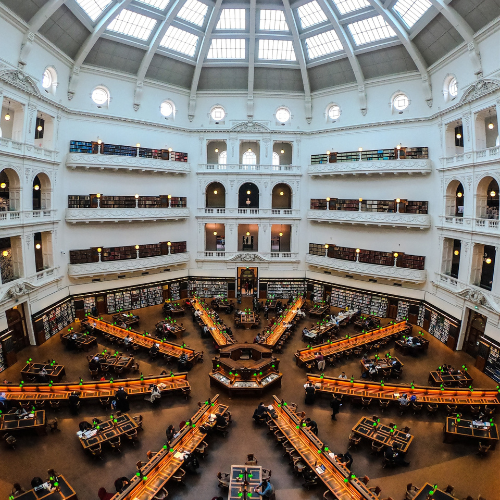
(384, 390)
(169, 348)
(221, 338)
(273, 335)
(304, 356)
(337, 478)
(93, 390)
(153, 476)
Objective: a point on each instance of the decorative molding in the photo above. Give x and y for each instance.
(21, 80)
(391, 167)
(421, 221)
(364, 269)
(248, 257)
(98, 215)
(239, 168)
(250, 127)
(479, 89)
(471, 158)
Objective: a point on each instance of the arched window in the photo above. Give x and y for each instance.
(249, 158)
(276, 158)
(223, 158)
(401, 101)
(167, 109)
(49, 80)
(101, 96)
(283, 114)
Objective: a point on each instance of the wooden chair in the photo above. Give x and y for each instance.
(224, 479)
(178, 476)
(377, 448)
(299, 467)
(417, 407)
(94, 374)
(365, 402)
(432, 408)
(488, 412)
(328, 495)
(115, 444)
(376, 490)
(51, 473)
(251, 459)
(475, 410)
(406, 429)
(55, 405)
(310, 480)
(449, 489)
(450, 409)
(384, 404)
(222, 429)
(483, 449)
(365, 480)
(161, 495)
(131, 436)
(138, 421)
(411, 491)
(96, 451)
(354, 440)
(17, 490)
(396, 373)
(52, 425)
(39, 405)
(10, 441)
(201, 449)
(280, 437)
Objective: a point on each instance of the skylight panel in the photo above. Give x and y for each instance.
(132, 24)
(273, 20)
(370, 30)
(180, 41)
(93, 8)
(193, 12)
(311, 14)
(411, 10)
(227, 48)
(322, 44)
(231, 19)
(158, 4)
(346, 6)
(276, 50)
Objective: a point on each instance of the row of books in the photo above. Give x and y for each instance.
(371, 155)
(91, 201)
(207, 288)
(134, 299)
(285, 289)
(59, 317)
(387, 206)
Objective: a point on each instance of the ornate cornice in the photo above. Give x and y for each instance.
(250, 127)
(372, 167)
(21, 80)
(372, 270)
(89, 215)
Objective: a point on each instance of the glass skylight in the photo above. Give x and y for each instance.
(158, 4)
(93, 8)
(370, 30)
(322, 44)
(132, 24)
(227, 48)
(277, 50)
(273, 20)
(311, 14)
(194, 12)
(231, 19)
(180, 41)
(346, 6)
(411, 10)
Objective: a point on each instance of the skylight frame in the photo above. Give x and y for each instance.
(232, 19)
(320, 45)
(193, 12)
(271, 49)
(411, 11)
(372, 29)
(233, 49)
(180, 41)
(311, 14)
(156, 4)
(132, 24)
(272, 18)
(94, 8)
(348, 6)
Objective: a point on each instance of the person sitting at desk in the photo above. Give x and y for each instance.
(403, 400)
(373, 370)
(220, 420)
(343, 375)
(301, 313)
(94, 364)
(21, 413)
(260, 412)
(84, 426)
(311, 425)
(121, 483)
(127, 339)
(396, 364)
(36, 482)
(43, 374)
(182, 363)
(344, 459)
(170, 433)
(265, 489)
(257, 339)
(155, 349)
(206, 331)
(122, 400)
(155, 393)
(305, 332)
(124, 325)
(393, 455)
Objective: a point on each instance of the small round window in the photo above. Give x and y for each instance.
(218, 113)
(100, 96)
(453, 88)
(167, 108)
(401, 102)
(334, 112)
(283, 115)
(47, 79)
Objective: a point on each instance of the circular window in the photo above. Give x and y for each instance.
(100, 96)
(218, 113)
(334, 112)
(47, 79)
(283, 115)
(401, 102)
(167, 108)
(453, 88)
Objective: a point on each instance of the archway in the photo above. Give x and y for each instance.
(10, 190)
(487, 199)
(215, 195)
(455, 199)
(42, 192)
(281, 196)
(248, 196)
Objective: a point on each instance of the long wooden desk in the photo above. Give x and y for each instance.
(382, 434)
(128, 319)
(438, 378)
(423, 493)
(319, 310)
(272, 336)
(304, 356)
(382, 363)
(168, 327)
(64, 492)
(53, 372)
(244, 478)
(85, 340)
(315, 454)
(109, 430)
(221, 338)
(425, 394)
(113, 362)
(141, 340)
(163, 465)
(9, 422)
(464, 429)
(406, 348)
(93, 390)
(247, 319)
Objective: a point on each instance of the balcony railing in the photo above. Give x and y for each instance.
(470, 158)
(263, 257)
(22, 286)
(99, 215)
(30, 151)
(479, 225)
(25, 217)
(248, 169)
(366, 269)
(250, 212)
(368, 167)
(114, 267)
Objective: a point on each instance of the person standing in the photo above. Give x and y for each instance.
(310, 393)
(335, 405)
(265, 489)
(320, 360)
(122, 400)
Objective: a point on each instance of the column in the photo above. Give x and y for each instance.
(447, 255)
(47, 253)
(28, 249)
(264, 238)
(464, 271)
(469, 132)
(476, 264)
(231, 231)
(495, 288)
(233, 149)
(16, 245)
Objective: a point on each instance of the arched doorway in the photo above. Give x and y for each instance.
(281, 197)
(247, 280)
(42, 192)
(455, 199)
(215, 195)
(487, 199)
(248, 196)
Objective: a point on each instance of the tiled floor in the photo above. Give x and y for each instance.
(431, 459)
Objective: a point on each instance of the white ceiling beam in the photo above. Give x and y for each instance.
(299, 54)
(251, 60)
(99, 29)
(409, 46)
(465, 31)
(205, 46)
(349, 50)
(153, 47)
(35, 23)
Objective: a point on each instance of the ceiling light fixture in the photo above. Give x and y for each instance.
(487, 260)
(492, 193)
(216, 150)
(249, 192)
(456, 252)
(248, 233)
(7, 115)
(36, 187)
(459, 135)
(491, 126)
(3, 185)
(38, 246)
(215, 191)
(5, 253)
(459, 195)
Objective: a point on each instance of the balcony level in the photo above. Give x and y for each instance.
(240, 168)
(250, 213)
(27, 217)
(394, 161)
(470, 159)
(471, 224)
(15, 149)
(245, 256)
(15, 289)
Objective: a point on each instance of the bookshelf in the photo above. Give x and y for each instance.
(2, 359)
(318, 292)
(76, 201)
(421, 315)
(371, 155)
(439, 327)
(57, 317)
(175, 291)
(492, 368)
(207, 288)
(417, 207)
(403, 309)
(378, 206)
(321, 204)
(346, 205)
(88, 304)
(160, 201)
(285, 289)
